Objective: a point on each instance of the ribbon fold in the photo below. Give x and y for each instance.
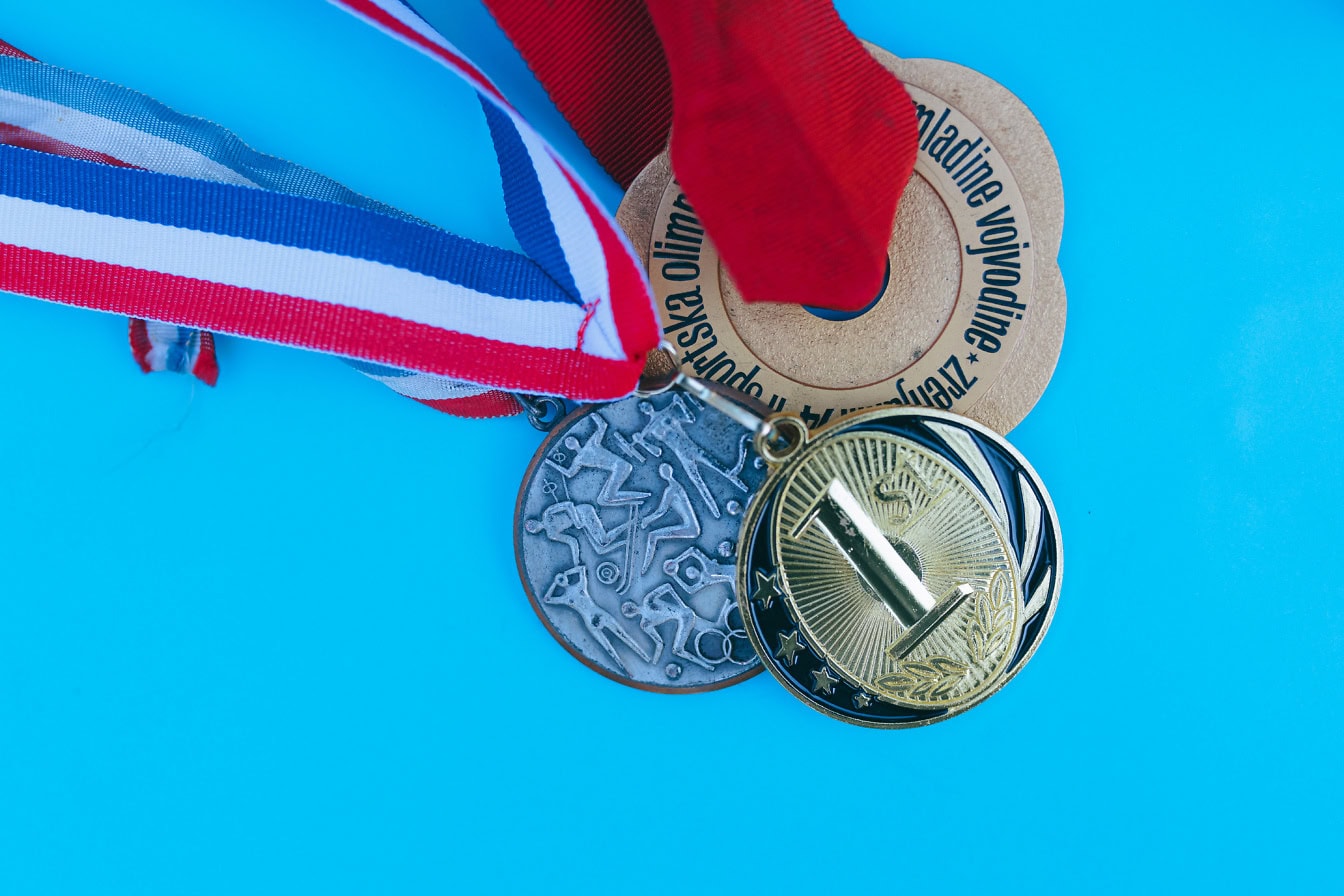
(791, 142)
(147, 212)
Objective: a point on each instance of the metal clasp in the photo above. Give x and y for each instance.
(776, 437)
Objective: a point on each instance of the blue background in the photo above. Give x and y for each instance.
(269, 637)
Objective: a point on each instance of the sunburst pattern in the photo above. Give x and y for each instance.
(923, 506)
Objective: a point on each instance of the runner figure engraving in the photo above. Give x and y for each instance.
(593, 454)
(668, 425)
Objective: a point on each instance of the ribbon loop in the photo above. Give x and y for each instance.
(791, 142)
(123, 205)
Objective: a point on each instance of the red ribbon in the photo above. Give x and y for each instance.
(11, 50)
(790, 140)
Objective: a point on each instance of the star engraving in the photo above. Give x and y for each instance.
(972, 358)
(789, 645)
(823, 682)
(767, 589)
(862, 700)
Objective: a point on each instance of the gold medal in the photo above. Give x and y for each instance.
(894, 568)
(902, 565)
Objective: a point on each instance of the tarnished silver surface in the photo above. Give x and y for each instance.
(626, 535)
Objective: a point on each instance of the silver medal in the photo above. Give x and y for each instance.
(626, 534)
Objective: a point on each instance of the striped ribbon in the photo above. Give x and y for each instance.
(111, 201)
(155, 345)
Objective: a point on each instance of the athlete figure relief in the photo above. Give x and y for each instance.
(559, 518)
(668, 426)
(594, 455)
(695, 571)
(663, 604)
(675, 501)
(570, 589)
(614, 524)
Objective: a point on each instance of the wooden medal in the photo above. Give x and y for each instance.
(971, 317)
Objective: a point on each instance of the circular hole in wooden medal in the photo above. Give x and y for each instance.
(972, 315)
(924, 262)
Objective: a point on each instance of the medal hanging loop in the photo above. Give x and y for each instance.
(543, 411)
(661, 374)
(733, 410)
(780, 438)
(776, 437)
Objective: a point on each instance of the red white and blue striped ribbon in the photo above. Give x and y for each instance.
(109, 200)
(157, 346)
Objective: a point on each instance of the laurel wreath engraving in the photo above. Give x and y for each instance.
(932, 678)
(988, 633)
(991, 624)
